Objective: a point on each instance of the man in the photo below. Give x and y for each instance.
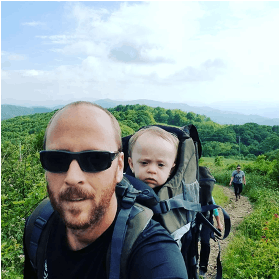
(237, 178)
(82, 193)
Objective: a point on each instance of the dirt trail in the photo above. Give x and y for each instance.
(237, 211)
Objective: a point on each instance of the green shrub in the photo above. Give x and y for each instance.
(254, 252)
(219, 161)
(22, 187)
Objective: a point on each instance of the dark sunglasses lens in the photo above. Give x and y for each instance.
(95, 161)
(55, 161)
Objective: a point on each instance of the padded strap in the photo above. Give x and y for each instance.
(219, 264)
(205, 221)
(119, 231)
(176, 202)
(40, 222)
(227, 220)
(117, 242)
(207, 179)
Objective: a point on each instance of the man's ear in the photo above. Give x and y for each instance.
(120, 167)
(130, 162)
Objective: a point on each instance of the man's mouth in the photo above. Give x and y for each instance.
(74, 199)
(79, 199)
(75, 195)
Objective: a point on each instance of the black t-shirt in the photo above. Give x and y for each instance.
(154, 255)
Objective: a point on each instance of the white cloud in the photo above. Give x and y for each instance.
(16, 57)
(241, 9)
(34, 23)
(158, 31)
(174, 51)
(12, 56)
(30, 73)
(4, 75)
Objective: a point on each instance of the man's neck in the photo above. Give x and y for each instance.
(79, 239)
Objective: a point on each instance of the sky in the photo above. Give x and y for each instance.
(222, 54)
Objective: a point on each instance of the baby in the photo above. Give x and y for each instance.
(152, 155)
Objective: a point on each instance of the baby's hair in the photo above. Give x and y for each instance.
(154, 130)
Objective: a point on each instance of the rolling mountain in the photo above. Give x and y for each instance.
(219, 116)
(10, 111)
(216, 115)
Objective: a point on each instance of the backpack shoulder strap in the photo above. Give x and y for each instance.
(130, 222)
(34, 227)
(137, 223)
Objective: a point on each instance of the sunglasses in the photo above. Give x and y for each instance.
(58, 161)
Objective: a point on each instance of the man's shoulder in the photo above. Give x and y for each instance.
(154, 232)
(156, 252)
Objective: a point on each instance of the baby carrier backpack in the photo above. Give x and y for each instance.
(185, 200)
(177, 206)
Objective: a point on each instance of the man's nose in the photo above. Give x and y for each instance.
(75, 174)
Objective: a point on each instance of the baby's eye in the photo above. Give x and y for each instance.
(161, 165)
(143, 163)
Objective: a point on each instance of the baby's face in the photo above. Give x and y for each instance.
(152, 159)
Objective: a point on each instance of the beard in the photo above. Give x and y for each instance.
(71, 215)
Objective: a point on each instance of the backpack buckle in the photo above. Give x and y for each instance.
(129, 198)
(40, 222)
(165, 207)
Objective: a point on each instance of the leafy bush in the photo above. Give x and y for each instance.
(254, 251)
(272, 155)
(219, 161)
(23, 186)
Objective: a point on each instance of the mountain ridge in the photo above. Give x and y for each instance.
(216, 115)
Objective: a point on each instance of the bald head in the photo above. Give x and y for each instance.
(80, 116)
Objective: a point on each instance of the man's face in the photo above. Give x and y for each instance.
(82, 198)
(152, 159)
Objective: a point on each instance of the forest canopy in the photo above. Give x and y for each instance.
(248, 140)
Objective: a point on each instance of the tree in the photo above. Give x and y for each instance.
(179, 118)
(144, 117)
(160, 115)
(125, 130)
(270, 143)
(191, 116)
(171, 117)
(275, 129)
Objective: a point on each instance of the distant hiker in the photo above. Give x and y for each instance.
(152, 154)
(238, 177)
(83, 160)
(205, 241)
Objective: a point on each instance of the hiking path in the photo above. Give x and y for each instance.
(237, 210)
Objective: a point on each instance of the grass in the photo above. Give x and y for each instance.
(254, 251)
(219, 196)
(226, 161)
